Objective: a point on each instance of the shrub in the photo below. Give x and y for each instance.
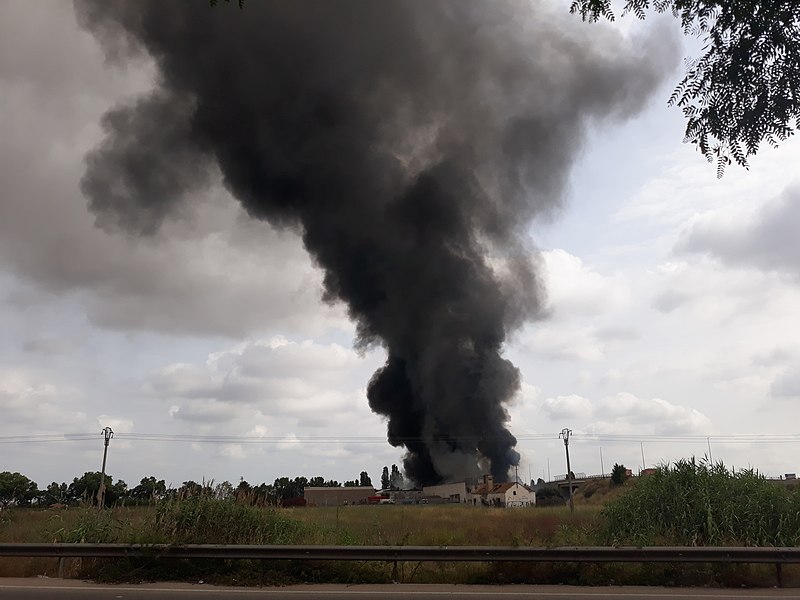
(549, 496)
(619, 474)
(204, 520)
(695, 503)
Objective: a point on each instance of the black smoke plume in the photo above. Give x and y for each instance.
(408, 142)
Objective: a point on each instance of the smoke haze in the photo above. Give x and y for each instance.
(408, 143)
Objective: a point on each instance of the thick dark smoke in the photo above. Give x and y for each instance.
(409, 142)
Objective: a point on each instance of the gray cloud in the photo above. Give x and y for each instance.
(617, 333)
(787, 384)
(670, 300)
(47, 346)
(211, 273)
(207, 412)
(766, 240)
(776, 357)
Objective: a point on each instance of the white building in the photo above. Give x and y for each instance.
(509, 495)
(453, 492)
(485, 493)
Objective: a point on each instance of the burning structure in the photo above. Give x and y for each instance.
(408, 143)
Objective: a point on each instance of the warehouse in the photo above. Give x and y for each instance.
(337, 496)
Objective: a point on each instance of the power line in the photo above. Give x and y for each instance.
(226, 439)
(47, 438)
(582, 438)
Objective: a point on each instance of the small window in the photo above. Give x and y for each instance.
(515, 492)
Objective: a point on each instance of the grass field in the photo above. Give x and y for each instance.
(353, 525)
(688, 504)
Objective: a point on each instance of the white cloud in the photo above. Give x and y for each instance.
(625, 413)
(182, 381)
(565, 407)
(573, 289)
(304, 380)
(117, 424)
(234, 451)
(654, 415)
(687, 186)
(562, 342)
(39, 407)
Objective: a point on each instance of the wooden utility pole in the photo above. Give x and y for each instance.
(101, 492)
(565, 433)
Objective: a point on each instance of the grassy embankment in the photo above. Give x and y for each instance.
(688, 504)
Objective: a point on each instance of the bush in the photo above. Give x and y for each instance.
(619, 474)
(204, 520)
(697, 503)
(549, 496)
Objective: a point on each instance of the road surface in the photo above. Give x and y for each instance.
(60, 589)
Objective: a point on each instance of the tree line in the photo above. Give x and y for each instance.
(18, 490)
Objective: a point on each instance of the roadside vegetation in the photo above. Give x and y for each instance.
(695, 503)
(687, 503)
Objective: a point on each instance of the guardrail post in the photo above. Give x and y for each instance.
(779, 573)
(60, 573)
(395, 576)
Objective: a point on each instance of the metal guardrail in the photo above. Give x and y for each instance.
(774, 555)
(415, 553)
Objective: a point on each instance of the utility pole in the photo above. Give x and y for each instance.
(602, 468)
(710, 458)
(641, 446)
(565, 433)
(101, 493)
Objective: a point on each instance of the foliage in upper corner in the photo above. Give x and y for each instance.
(745, 89)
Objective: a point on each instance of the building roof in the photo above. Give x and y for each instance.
(340, 488)
(495, 488)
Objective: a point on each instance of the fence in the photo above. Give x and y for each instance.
(777, 556)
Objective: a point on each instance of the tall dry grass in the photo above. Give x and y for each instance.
(447, 525)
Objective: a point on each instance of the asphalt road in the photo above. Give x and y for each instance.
(45, 589)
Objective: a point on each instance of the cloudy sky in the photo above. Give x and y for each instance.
(672, 310)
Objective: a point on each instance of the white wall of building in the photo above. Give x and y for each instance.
(455, 492)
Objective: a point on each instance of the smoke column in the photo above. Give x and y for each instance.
(409, 144)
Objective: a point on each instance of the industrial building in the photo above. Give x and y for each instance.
(337, 496)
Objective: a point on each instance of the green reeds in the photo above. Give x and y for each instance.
(699, 503)
(204, 520)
